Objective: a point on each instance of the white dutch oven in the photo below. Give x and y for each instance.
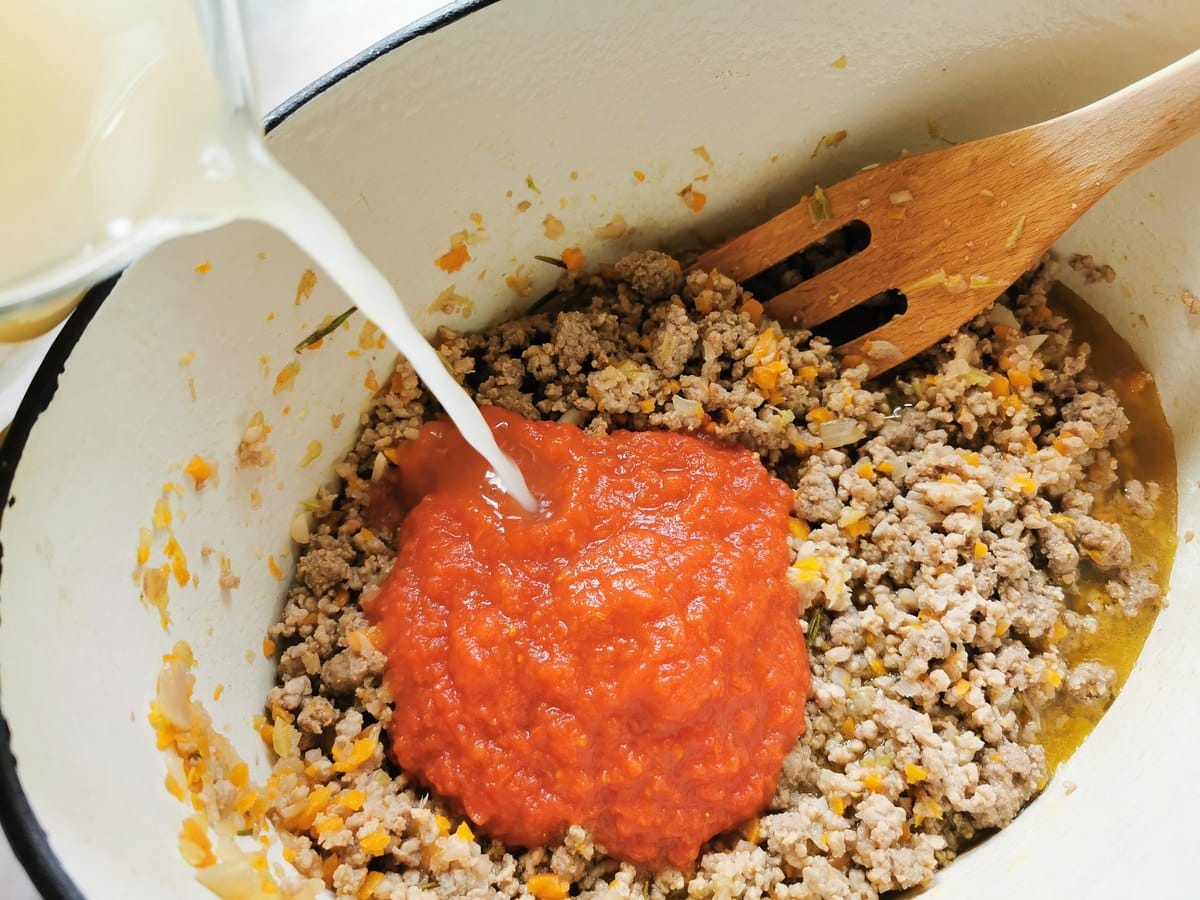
(404, 143)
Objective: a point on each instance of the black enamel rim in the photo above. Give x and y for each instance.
(24, 832)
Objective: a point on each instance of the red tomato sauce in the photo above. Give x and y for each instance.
(629, 658)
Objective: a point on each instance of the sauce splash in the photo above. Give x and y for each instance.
(628, 656)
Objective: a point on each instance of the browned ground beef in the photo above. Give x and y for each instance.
(941, 527)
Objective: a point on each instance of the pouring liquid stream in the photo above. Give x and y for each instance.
(127, 139)
(286, 204)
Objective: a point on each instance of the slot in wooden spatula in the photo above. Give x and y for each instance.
(953, 229)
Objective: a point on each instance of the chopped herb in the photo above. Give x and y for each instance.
(553, 260)
(935, 132)
(325, 330)
(828, 141)
(819, 207)
(546, 303)
(529, 184)
(427, 886)
(816, 626)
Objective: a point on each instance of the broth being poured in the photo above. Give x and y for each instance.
(128, 139)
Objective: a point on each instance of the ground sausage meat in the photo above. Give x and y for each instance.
(941, 526)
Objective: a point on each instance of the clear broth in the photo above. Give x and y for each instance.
(1146, 452)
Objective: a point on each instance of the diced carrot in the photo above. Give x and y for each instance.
(195, 845)
(375, 843)
(369, 884)
(572, 258)
(764, 378)
(1020, 379)
(547, 886)
(454, 258)
(694, 200)
(330, 823)
(753, 309)
(1038, 314)
(328, 867)
(858, 528)
(353, 799)
(199, 470)
(915, 774)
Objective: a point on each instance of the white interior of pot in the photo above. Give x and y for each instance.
(404, 151)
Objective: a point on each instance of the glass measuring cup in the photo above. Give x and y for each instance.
(128, 112)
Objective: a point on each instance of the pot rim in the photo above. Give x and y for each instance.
(25, 834)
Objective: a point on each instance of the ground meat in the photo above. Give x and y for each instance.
(1091, 684)
(320, 569)
(253, 451)
(938, 554)
(1103, 542)
(1092, 271)
(816, 497)
(1102, 411)
(316, 715)
(344, 673)
(651, 274)
(1139, 591)
(1142, 498)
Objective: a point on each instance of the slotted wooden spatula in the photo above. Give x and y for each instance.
(954, 228)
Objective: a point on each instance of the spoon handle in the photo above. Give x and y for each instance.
(1122, 132)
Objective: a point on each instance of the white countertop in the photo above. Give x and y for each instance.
(292, 42)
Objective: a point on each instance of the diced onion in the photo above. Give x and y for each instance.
(1002, 315)
(299, 530)
(841, 432)
(378, 467)
(174, 694)
(882, 350)
(685, 407)
(978, 377)
(232, 878)
(1034, 341)
(840, 677)
(285, 739)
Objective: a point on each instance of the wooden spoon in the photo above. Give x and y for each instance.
(953, 229)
